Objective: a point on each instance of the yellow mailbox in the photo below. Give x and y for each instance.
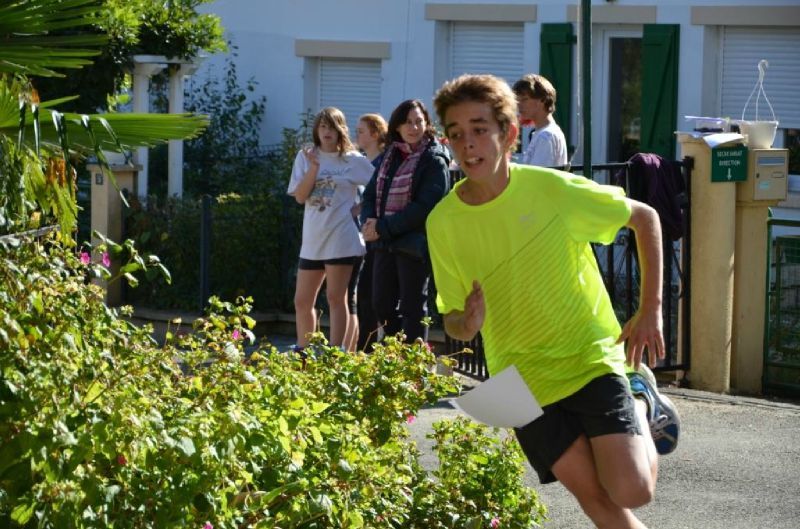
(767, 176)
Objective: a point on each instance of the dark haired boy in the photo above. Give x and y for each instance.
(536, 99)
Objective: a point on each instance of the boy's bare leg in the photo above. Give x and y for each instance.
(611, 474)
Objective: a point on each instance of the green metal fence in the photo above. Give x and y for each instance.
(782, 319)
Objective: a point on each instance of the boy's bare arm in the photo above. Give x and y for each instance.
(644, 329)
(464, 325)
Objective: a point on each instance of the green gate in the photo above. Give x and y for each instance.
(782, 330)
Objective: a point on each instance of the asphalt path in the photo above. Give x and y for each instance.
(737, 466)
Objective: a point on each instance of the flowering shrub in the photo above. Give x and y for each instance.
(478, 483)
(100, 427)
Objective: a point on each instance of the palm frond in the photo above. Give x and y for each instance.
(27, 48)
(130, 130)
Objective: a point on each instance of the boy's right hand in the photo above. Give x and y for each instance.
(474, 309)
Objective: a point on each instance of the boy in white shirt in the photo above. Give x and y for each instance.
(536, 98)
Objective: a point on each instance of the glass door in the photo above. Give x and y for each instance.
(624, 98)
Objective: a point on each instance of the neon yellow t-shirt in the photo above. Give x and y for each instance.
(547, 310)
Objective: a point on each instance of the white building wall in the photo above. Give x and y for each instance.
(265, 32)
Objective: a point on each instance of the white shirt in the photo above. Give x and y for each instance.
(547, 148)
(328, 228)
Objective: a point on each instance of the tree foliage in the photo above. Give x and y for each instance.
(229, 157)
(36, 174)
(148, 27)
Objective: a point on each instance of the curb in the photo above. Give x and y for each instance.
(733, 400)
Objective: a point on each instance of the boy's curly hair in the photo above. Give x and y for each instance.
(482, 89)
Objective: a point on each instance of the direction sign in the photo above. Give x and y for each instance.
(729, 164)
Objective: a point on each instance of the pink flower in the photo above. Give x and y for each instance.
(236, 334)
(208, 525)
(410, 418)
(86, 258)
(106, 260)
(428, 347)
(495, 523)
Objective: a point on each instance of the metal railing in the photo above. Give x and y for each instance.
(225, 246)
(782, 315)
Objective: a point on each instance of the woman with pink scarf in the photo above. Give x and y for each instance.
(412, 177)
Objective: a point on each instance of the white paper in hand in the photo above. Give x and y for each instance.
(504, 400)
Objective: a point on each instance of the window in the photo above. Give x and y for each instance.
(351, 85)
(494, 48)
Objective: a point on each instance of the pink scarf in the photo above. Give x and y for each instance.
(400, 184)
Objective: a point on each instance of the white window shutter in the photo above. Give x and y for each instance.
(494, 48)
(743, 48)
(351, 85)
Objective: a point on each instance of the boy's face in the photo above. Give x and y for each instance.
(530, 108)
(478, 142)
(527, 107)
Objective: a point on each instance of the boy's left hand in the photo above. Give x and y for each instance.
(644, 330)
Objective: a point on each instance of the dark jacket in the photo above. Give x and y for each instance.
(659, 183)
(429, 184)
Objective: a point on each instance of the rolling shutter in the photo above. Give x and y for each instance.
(351, 85)
(494, 48)
(742, 49)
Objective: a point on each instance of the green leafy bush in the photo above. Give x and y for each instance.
(478, 483)
(102, 428)
(175, 28)
(229, 157)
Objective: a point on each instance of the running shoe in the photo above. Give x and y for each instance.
(662, 415)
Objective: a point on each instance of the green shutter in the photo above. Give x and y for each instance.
(659, 88)
(555, 63)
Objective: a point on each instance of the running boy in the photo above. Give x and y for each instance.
(511, 259)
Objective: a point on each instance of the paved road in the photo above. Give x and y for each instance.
(737, 467)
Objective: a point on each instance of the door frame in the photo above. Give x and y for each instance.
(601, 64)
